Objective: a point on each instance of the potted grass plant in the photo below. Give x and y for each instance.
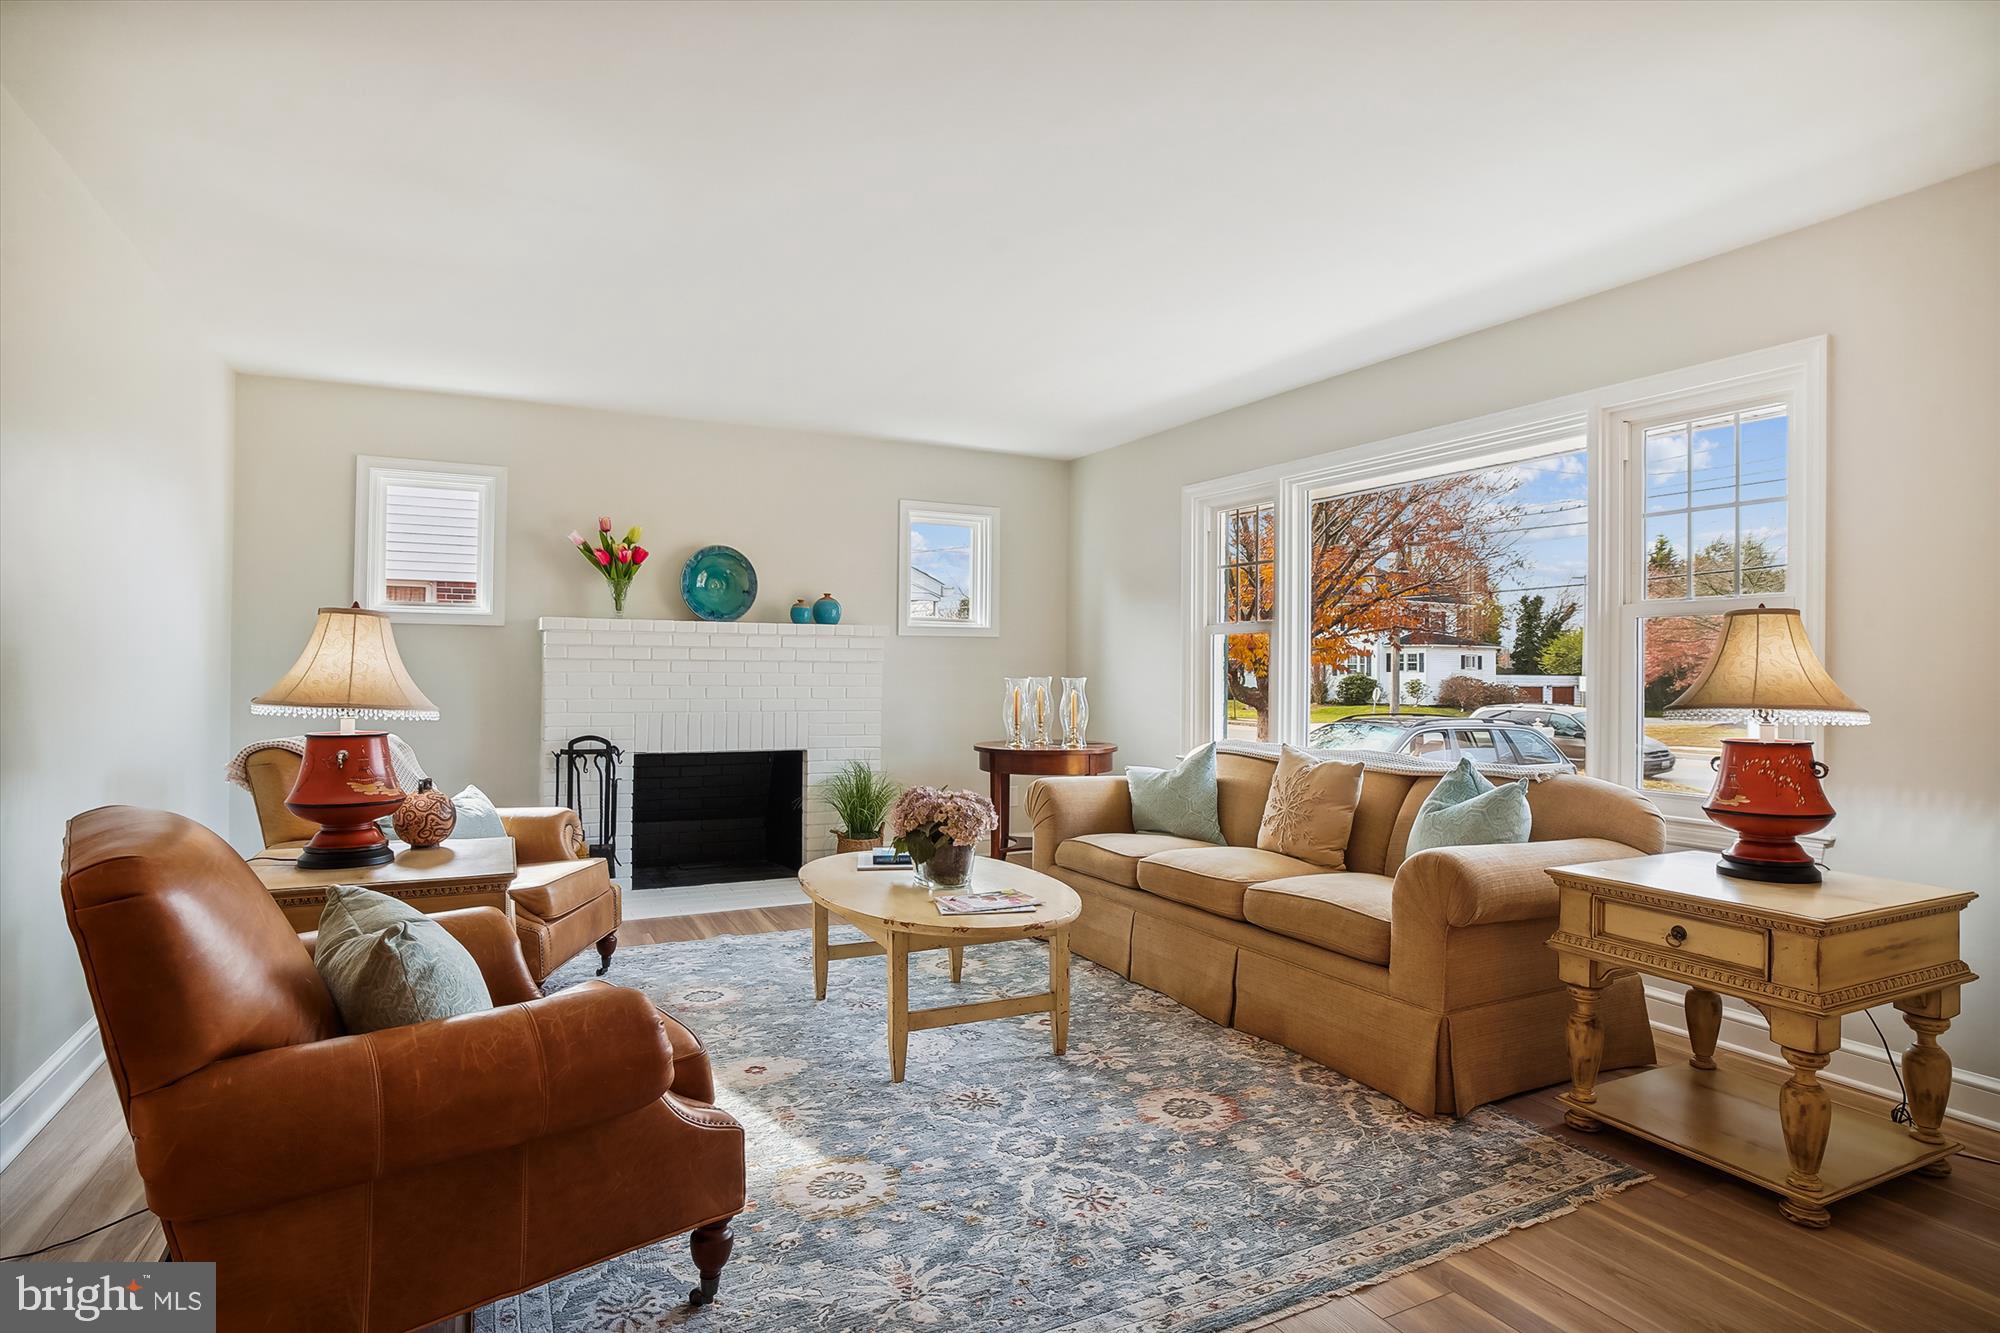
(860, 797)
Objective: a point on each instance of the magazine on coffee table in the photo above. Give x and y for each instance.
(979, 904)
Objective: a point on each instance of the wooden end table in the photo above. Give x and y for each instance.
(899, 919)
(472, 872)
(1003, 761)
(1803, 955)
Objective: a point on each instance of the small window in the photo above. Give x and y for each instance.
(947, 569)
(1565, 725)
(429, 540)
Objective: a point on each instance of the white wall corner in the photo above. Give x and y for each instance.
(1975, 1097)
(30, 1107)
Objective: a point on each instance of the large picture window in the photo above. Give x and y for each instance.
(1556, 573)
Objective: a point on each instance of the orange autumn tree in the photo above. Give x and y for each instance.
(1415, 560)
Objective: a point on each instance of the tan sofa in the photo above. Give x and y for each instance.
(1429, 978)
(564, 900)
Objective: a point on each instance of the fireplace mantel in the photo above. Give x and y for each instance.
(678, 686)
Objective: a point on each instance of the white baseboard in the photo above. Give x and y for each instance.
(1975, 1097)
(32, 1105)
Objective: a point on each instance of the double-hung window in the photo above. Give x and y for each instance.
(1607, 530)
(1233, 649)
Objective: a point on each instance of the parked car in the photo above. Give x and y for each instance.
(1564, 725)
(1446, 738)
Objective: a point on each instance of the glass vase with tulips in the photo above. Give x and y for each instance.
(617, 559)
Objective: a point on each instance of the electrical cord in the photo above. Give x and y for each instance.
(58, 1244)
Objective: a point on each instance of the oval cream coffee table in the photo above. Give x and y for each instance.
(899, 919)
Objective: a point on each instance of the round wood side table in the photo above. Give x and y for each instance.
(1004, 761)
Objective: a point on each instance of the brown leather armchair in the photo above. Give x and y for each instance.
(564, 898)
(391, 1179)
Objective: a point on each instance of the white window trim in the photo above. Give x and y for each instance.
(985, 524)
(372, 477)
(1605, 418)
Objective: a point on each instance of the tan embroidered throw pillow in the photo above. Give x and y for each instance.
(1311, 809)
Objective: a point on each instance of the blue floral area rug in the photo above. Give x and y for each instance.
(1165, 1174)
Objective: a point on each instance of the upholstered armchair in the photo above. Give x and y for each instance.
(564, 898)
(392, 1179)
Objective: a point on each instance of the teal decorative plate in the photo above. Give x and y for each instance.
(718, 583)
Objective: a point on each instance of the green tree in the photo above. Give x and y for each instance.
(1527, 637)
(1563, 655)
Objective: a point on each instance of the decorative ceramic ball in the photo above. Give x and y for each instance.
(426, 817)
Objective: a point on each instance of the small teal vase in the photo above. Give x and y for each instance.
(826, 610)
(802, 612)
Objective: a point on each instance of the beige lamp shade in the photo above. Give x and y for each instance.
(1764, 670)
(350, 668)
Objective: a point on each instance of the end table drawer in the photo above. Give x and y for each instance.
(1670, 933)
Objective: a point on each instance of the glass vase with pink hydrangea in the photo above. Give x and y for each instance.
(940, 828)
(617, 559)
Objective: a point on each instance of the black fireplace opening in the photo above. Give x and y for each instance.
(718, 818)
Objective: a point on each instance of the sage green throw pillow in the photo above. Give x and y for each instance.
(1178, 800)
(476, 817)
(1465, 810)
(388, 965)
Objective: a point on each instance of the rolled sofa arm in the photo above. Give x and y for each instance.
(545, 833)
(233, 1136)
(1457, 888)
(1065, 808)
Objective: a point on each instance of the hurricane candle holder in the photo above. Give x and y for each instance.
(1075, 711)
(1041, 710)
(1013, 711)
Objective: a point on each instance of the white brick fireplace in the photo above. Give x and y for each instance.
(680, 686)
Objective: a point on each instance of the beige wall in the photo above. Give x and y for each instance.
(114, 572)
(1909, 291)
(814, 513)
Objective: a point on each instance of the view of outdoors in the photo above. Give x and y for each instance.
(940, 571)
(1465, 593)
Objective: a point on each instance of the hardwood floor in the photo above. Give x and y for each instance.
(1690, 1250)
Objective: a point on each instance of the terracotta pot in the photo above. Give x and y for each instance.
(843, 843)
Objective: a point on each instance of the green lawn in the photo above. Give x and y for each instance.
(1334, 712)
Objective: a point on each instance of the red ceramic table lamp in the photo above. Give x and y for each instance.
(1767, 790)
(350, 669)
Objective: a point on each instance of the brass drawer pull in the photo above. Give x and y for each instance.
(1677, 936)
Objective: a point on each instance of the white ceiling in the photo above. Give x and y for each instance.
(1035, 227)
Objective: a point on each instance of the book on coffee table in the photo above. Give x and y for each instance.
(882, 858)
(974, 904)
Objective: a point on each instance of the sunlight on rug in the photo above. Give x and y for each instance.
(1166, 1173)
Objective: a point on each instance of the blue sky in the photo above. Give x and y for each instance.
(944, 551)
(1551, 536)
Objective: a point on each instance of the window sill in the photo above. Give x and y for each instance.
(1703, 835)
(403, 615)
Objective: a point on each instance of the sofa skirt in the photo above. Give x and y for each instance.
(1338, 1011)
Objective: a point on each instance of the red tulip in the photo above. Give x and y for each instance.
(624, 554)
(639, 554)
(603, 557)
